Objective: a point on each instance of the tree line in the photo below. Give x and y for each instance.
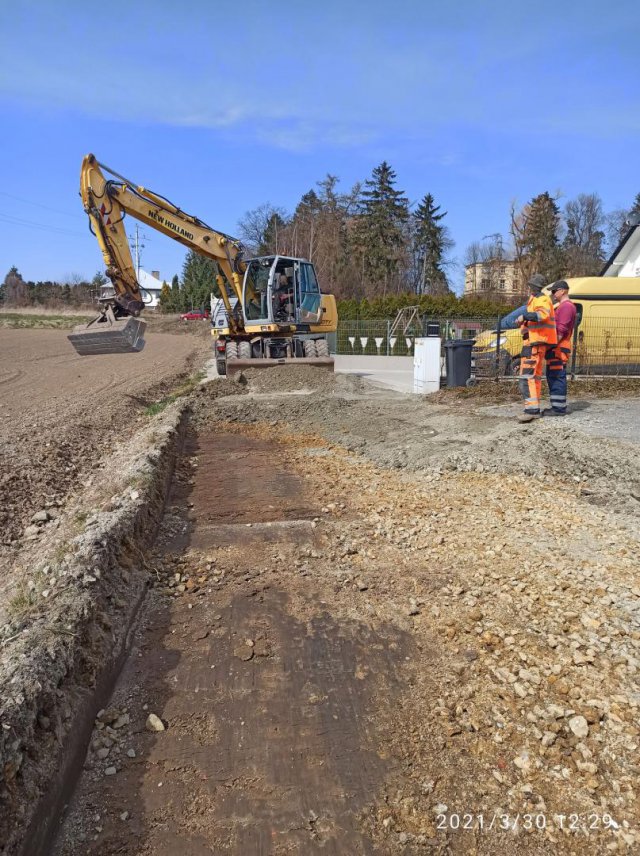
(365, 243)
(370, 244)
(75, 292)
(375, 253)
(571, 241)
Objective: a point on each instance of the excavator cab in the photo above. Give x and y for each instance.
(280, 290)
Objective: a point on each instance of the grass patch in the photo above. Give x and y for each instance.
(140, 481)
(61, 551)
(21, 603)
(157, 407)
(185, 388)
(16, 320)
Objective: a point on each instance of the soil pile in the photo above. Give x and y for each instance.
(289, 378)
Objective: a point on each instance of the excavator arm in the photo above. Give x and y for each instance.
(107, 201)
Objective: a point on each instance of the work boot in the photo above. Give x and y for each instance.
(551, 412)
(528, 417)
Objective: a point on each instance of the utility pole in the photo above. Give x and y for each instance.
(137, 247)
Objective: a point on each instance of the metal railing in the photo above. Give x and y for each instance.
(377, 337)
(606, 346)
(601, 346)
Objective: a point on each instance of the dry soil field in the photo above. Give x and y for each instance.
(59, 414)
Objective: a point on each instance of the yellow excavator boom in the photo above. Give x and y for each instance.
(106, 202)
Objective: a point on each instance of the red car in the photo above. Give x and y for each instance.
(195, 315)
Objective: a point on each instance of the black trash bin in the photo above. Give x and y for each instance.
(458, 361)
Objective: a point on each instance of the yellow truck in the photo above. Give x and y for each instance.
(607, 337)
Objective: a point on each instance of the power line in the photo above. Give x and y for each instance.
(36, 204)
(30, 224)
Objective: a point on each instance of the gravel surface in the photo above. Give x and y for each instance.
(610, 418)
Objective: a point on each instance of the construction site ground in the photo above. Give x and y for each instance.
(61, 413)
(373, 624)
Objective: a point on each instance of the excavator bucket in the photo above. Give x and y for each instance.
(105, 336)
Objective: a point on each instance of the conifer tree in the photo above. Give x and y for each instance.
(199, 280)
(379, 233)
(535, 235)
(430, 242)
(165, 301)
(175, 288)
(634, 213)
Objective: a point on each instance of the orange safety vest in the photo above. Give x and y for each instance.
(542, 331)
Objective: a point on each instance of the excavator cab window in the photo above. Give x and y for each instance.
(310, 300)
(284, 290)
(256, 290)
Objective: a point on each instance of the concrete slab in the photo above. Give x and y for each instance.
(390, 372)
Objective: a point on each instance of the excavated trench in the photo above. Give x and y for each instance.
(268, 697)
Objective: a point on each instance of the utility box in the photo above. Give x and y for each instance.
(426, 365)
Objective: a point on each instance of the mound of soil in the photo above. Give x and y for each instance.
(304, 379)
(289, 378)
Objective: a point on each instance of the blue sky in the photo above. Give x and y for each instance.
(222, 107)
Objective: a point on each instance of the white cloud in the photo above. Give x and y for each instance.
(331, 79)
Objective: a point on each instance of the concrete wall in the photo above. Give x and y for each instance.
(391, 372)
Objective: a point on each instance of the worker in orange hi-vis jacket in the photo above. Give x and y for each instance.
(538, 328)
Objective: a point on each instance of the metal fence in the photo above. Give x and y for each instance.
(601, 346)
(378, 337)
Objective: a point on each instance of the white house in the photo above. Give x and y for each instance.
(150, 284)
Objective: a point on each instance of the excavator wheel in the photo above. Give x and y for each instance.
(310, 348)
(232, 351)
(244, 351)
(322, 348)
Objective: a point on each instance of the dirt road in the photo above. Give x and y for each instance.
(374, 646)
(60, 412)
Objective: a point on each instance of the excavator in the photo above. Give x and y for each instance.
(273, 310)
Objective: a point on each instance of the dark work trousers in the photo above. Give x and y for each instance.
(557, 359)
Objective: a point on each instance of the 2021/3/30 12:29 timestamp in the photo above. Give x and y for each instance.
(528, 821)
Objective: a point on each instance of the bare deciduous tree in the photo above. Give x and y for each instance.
(582, 245)
(16, 290)
(255, 225)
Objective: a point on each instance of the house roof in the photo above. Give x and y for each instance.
(625, 260)
(146, 280)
